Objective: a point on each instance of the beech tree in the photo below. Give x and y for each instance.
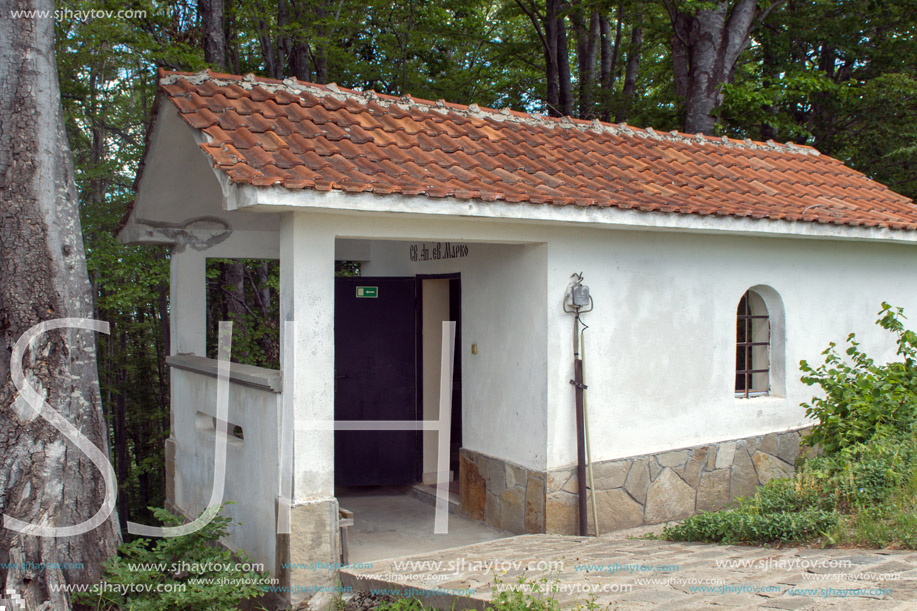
(550, 25)
(707, 39)
(44, 478)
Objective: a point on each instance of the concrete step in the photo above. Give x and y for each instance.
(427, 494)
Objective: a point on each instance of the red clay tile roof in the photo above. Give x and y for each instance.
(304, 136)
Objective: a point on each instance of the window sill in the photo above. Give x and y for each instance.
(753, 395)
(761, 398)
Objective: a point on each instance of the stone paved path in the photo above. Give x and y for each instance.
(641, 574)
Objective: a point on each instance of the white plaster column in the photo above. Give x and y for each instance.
(188, 302)
(187, 335)
(307, 297)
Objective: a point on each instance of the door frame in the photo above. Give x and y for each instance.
(456, 413)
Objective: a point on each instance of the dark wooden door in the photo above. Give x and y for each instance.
(375, 362)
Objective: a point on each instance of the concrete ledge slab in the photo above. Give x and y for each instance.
(249, 375)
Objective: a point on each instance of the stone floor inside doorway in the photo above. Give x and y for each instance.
(396, 522)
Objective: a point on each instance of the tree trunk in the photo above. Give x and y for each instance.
(609, 60)
(264, 308)
(631, 71)
(550, 59)
(235, 306)
(706, 67)
(769, 71)
(321, 12)
(587, 47)
(120, 434)
(271, 66)
(298, 44)
(546, 26)
(230, 35)
(705, 49)
(44, 477)
(565, 88)
(213, 33)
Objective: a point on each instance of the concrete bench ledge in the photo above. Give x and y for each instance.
(249, 375)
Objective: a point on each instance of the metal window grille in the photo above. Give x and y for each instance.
(748, 363)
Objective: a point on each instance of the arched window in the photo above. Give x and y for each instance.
(753, 346)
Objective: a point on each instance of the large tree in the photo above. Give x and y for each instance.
(707, 40)
(44, 477)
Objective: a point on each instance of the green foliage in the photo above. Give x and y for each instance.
(403, 604)
(865, 474)
(865, 494)
(740, 527)
(863, 400)
(785, 510)
(527, 595)
(256, 320)
(176, 566)
(840, 75)
(889, 524)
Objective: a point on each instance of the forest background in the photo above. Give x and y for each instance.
(840, 75)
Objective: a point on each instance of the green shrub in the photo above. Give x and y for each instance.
(867, 473)
(801, 493)
(165, 574)
(892, 523)
(743, 527)
(863, 493)
(862, 400)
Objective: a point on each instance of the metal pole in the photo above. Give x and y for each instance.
(580, 431)
(595, 512)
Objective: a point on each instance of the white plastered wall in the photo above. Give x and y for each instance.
(252, 473)
(180, 189)
(660, 351)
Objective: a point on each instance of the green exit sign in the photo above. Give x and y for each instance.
(364, 292)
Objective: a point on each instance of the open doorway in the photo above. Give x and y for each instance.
(440, 300)
(388, 350)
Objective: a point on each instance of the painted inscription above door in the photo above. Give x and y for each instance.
(437, 251)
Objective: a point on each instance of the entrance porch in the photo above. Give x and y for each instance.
(362, 348)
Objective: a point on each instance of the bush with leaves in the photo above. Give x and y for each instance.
(186, 573)
(862, 400)
(864, 474)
